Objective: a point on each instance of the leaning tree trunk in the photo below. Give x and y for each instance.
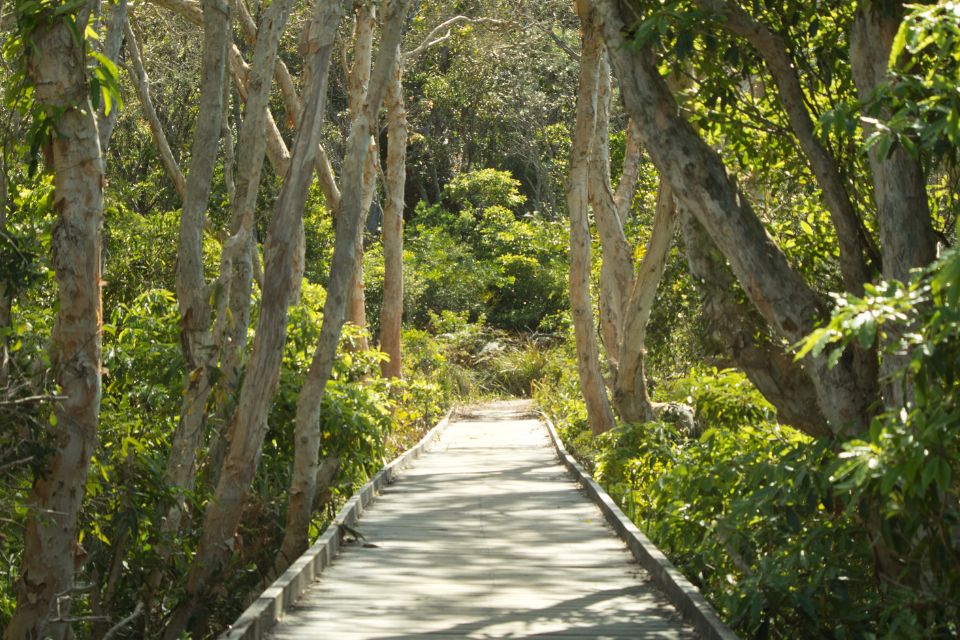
(599, 412)
(906, 234)
(737, 328)
(142, 83)
(701, 185)
(282, 274)
(57, 70)
(391, 312)
(855, 243)
(307, 436)
(237, 266)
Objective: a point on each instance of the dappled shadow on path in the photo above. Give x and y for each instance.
(485, 538)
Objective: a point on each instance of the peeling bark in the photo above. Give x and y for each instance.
(282, 273)
(599, 412)
(57, 71)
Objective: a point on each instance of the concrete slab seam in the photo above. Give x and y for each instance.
(681, 592)
(261, 616)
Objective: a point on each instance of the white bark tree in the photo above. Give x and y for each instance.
(282, 272)
(592, 386)
(349, 217)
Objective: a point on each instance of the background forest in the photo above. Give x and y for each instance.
(250, 251)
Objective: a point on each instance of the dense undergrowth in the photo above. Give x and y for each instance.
(795, 537)
(452, 353)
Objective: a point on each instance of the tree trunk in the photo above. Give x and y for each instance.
(630, 385)
(855, 242)
(358, 83)
(391, 312)
(57, 71)
(701, 185)
(112, 43)
(142, 83)
(740, 331)
(282, 275)
(588, 363)
(307, 434)
(240, 251)
(616, 270)
(906, 234)
(192, 290)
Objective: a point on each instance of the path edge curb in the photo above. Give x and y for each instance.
(680, 591)
(264, 613)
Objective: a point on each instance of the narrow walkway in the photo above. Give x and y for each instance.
(485, 537)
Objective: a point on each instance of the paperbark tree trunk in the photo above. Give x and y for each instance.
(391, 312)
(359, 82)
(57, 71)
(307, 434)
(592, 386)
(856, 246)
(616, 270)
(282, 273)
(899, 185)
(701, 185)
(240, 251)
(630, 385)
(739, 330)
(192, 290)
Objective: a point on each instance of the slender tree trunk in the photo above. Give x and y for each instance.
(282, 275)
(391, 313)
(307, 433)
(192, 290)
(616, 270)
(701, 185)
(142, 83)
(359, 82)
(237, 263)
(112, 43)
(906, 233)
(630, 388)
(6, 293)
(57, 71)
(599, 412)
(856, 245)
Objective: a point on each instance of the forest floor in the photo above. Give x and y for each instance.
(485, 537)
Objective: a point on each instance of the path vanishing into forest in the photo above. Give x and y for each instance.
(486, 536)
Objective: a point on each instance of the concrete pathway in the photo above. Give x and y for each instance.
(485, 537)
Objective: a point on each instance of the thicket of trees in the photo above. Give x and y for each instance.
(714, 239)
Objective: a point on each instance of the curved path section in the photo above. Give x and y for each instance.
(487, 536)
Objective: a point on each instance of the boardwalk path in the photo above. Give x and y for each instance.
(485, 537)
